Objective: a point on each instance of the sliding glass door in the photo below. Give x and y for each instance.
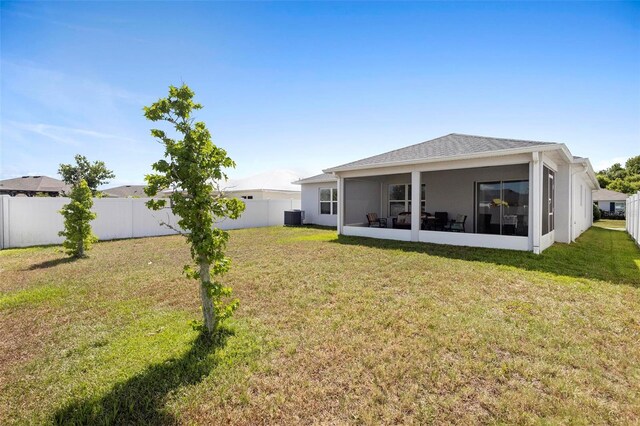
(502, 208)
(488, 220)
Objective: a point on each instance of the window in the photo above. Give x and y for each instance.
(502, 208)
(247, 197)
(328, 201)
(400, 198)
(548, 199)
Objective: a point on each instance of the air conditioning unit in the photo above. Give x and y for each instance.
(293, 217)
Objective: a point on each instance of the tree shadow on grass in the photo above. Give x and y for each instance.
(141, 399)
(598, 254)
(51, 263)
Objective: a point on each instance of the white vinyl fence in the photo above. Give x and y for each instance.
(632, 215)
(26, 221)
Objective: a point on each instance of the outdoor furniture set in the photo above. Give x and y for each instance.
(439, 221)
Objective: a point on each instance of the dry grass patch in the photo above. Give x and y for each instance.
(610, 224)
(330, 330)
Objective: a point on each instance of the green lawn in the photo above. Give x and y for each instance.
(330, 330)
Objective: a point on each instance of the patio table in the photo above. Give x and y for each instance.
(430, 222)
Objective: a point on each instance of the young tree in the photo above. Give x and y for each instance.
(95, 174)
(192, 167)
(77, 215)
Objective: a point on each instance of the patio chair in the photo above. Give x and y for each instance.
(510, 224)
(442, 219)
(375, 221)
(403, 221)
(456, 225)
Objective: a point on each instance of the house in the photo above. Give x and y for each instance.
(30, 186)
(611, 203)
(264, 194)
(253, 194)
(499, 193)
(314, 189)
(268, 185)
(125, 191)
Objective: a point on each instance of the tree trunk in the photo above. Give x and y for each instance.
(207, 301)
(81, 248)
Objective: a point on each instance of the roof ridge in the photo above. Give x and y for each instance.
(402, 149)
(501, 139)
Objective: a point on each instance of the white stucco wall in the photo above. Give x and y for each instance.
(582, 204)
(363, 197)
(563, 218)
(310, 203)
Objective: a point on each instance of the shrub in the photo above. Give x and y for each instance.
(596, 213)
(77, 215)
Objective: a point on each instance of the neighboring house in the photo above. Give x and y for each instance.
(515, 194)
(611, 202)
(31, 186)
(319, 199)
(271, 185)
(255, 194)
(125, 191)
(264, 194)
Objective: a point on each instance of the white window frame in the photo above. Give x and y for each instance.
(333, 201)
(407, 196)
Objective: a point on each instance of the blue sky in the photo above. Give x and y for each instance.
(306, 86)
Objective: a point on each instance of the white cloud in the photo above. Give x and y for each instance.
(67, 135)
(69, 98)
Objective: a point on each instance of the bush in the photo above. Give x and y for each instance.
(77, 215)
(596, 213)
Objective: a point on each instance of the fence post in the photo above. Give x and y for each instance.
(636, 211)
(4, 221)
(132, 225)
(632, 217)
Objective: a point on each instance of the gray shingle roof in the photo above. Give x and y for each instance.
(125, 191)
(321, 178)
(451, 145)
(608, 195)
(34, 184)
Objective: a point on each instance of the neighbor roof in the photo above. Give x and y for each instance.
(34, 184)
(125, 191)
(284, 191)
(608, 195)
(322, 178)
(452, 145)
